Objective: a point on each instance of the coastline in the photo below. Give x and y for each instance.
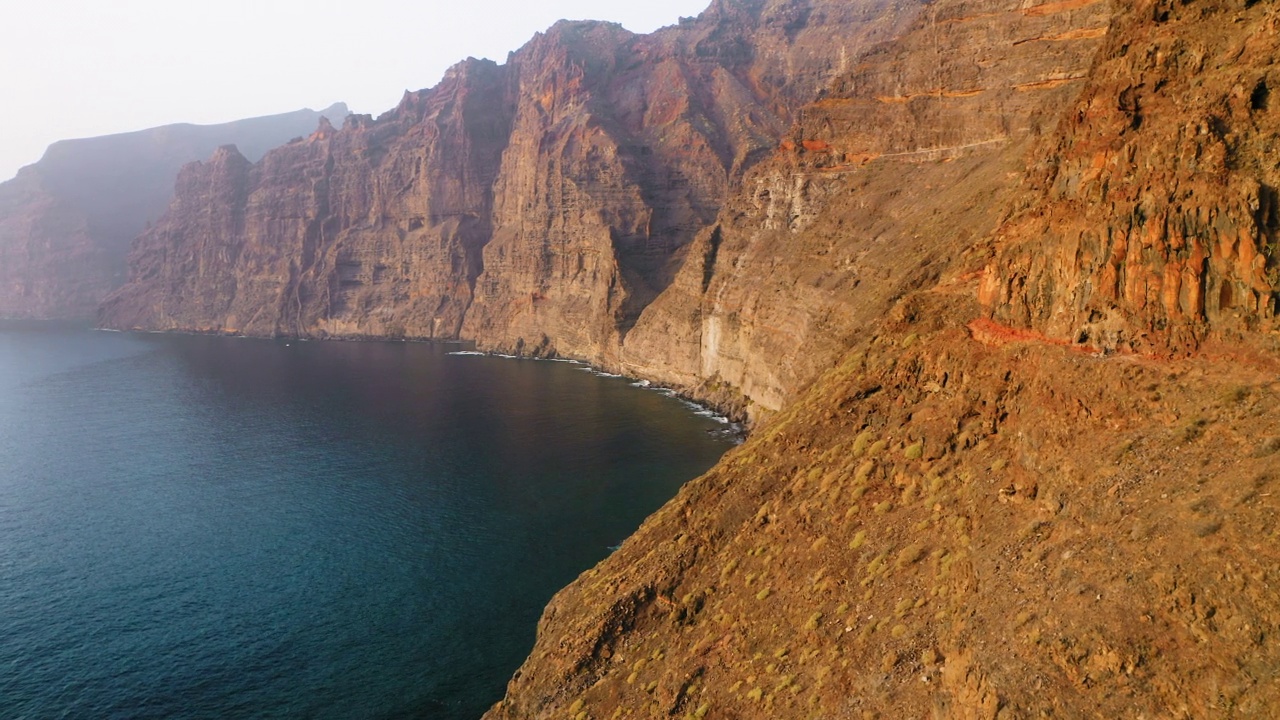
(735, 429)
(736, 426)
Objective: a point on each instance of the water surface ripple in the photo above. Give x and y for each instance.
(196, 527)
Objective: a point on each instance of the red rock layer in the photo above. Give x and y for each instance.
(911, 155)
(1155, 214)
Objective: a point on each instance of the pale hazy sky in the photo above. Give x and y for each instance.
(79, 68)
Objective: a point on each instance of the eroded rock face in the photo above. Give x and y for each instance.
(536, 207)
(374, 230)
(671, 205)
(66, 222)
(910, 156)
(943, 528)
(1154, 221)
(625, 147)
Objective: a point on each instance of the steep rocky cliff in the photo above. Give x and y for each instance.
(909, 155)
(670, 205)
(539, 206)
(625, 147)
(968, 518)
(66, 222)
(996, 276)
(370, 230)
(1154, 217)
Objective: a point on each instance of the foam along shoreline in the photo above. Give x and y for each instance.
(731, 429)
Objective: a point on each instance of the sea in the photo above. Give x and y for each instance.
(216, 527)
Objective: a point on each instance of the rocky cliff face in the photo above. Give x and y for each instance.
(909, 155)
(49, 264)
(1153, 222)
(671, 205)
(625, 147)
(963, 518)
(374, 230)
(66, 222)
(539, 206)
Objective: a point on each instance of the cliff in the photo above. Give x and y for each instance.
(1040, 484)
(671, 206)
(908, 157)
(539, 206)
(995, 278)
(66, 221)
(1152, 222)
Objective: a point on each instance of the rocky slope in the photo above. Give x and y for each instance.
(910, 155)
(66, 221)
(969, 518)
(996, 277)
(946, 528)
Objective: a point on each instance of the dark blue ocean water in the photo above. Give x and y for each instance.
(196, 527)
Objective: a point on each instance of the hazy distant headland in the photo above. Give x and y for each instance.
(66, 222)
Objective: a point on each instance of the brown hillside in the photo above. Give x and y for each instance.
(969, 519)
(946, 528)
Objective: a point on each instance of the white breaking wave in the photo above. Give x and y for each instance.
(699, 410)
(599, 373)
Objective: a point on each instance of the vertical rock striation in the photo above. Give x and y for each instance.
(910, 155)
(1153, 222)
(66, 222)
(372, 230)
